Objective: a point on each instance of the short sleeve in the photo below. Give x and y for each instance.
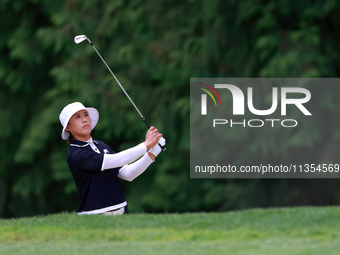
(84, 159)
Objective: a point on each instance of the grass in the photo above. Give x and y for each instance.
(304, 230)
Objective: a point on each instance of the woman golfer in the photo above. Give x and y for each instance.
(96, 167)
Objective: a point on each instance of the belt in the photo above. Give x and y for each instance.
(115, 212)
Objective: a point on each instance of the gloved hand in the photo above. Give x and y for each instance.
(161, 141)
(155, 150)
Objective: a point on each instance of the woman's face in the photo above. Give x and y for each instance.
(80, 126)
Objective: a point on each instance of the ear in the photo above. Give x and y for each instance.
(67, 128)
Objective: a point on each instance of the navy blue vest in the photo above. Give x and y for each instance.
(96, 189)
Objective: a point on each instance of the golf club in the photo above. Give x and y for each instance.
(80, 38)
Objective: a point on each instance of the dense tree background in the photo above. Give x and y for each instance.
(153, 47)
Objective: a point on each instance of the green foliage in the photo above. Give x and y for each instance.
(153, 47)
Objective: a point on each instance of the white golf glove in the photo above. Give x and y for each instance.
(161, 141)
(155, 150)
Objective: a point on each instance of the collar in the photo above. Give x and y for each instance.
(78, 143)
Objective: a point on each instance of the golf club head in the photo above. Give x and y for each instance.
(79, 38)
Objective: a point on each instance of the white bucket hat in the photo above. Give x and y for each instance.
(71, 109)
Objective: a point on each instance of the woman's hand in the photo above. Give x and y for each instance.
(151, 137)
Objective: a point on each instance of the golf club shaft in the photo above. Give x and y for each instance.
(120, 85)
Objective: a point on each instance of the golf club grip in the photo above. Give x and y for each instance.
(148, 125)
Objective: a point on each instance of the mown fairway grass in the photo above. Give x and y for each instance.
(304, 230)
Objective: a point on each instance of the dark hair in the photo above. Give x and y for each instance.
(69, 139)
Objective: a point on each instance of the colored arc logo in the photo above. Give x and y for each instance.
(208, 92)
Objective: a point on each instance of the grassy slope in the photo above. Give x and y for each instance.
(307, 230)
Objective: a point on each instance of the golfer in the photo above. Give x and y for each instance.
(96, 167)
